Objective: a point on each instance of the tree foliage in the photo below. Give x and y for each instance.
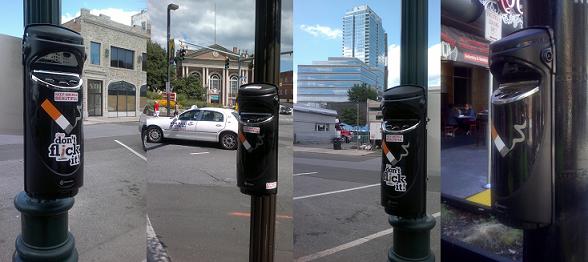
(156, 66)
(360, 93)
(189, 86)
(348, 116)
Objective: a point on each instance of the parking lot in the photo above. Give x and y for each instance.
(108, 217)
(338, 216)
(196, 209)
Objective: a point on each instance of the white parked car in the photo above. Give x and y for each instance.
(202, 124)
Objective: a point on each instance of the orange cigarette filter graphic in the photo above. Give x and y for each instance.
(244, 141)
(54, 113)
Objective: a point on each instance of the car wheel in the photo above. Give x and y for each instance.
(228, 141)
(154, 134)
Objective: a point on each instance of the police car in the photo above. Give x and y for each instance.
(201, 124)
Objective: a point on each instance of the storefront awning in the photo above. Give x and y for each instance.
(463, 47)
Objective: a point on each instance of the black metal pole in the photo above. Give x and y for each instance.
(567, 238)
(412, 235)
(44, 234)
(42, 12)
(169, 61)
(266, 70)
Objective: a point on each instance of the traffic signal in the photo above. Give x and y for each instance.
(227, 63)
(181, 55)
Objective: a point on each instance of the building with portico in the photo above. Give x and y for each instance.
(220, 80)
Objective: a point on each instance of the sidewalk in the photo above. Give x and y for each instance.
(102, 119)
(328, 149)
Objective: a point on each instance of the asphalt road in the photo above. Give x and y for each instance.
(347, 223)
(196, 209)
(108, 217)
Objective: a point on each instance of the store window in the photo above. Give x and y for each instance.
(122, 58)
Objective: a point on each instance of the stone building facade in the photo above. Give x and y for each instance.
(114, 78)
(220, 83)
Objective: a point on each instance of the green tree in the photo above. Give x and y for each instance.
(157, 66)
(189, 86)
(348, 116)
(360, 93)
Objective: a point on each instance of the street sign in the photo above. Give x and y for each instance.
(493, 28)
(172, 96)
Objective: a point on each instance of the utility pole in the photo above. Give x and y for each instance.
(404, 142)
(266, 70)
(566, 238)
(169, 56)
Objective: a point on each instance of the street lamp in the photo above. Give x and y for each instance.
(169, 60)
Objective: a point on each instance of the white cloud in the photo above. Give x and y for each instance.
(115, 14)
(194, 22)
(322, 31)
(434, 64)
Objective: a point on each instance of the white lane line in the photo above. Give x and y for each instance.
(308, 173)
(335, 192)
(130, 149)
(348, 245)
(154, 246)
(199, 153)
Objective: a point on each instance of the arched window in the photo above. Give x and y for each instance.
(121, 99)
(215, 83)
(234, 84)
(197, 75)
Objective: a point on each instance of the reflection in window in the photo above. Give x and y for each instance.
(121, 58)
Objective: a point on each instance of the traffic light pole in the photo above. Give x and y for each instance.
(267, 70)
(169, 62)
(412, 235)
(44, 223)
(567, 237)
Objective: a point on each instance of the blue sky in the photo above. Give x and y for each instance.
(11, 15)
(329, 13)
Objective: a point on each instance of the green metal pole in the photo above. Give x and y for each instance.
(412, 235)
(42, 12)
(44, 222)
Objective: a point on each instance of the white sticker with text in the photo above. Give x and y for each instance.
(393, 177)
(395, 138)
(65, 97)
(65, 148)
(251, 129)
(271, 185)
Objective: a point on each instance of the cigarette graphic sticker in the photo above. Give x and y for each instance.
(244, 142)
(54, 113)
(390, 156)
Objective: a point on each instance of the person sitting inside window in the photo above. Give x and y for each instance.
(451, 124)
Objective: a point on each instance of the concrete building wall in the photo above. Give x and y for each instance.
(11, 86)
(304, 128)
(101, 29)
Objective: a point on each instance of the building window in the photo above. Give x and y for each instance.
(144, 62)
(122, 58)
(234, 84)
(95, 53)
(214, 83)
(321, 127)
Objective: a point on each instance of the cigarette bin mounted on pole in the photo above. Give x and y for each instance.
(522, 129)
(257, 154)
(53, 58)
(404, 151)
